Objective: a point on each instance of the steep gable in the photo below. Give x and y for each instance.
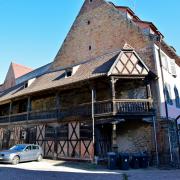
(129, 63)
(20, 70)
(101, 28)
(15, 71)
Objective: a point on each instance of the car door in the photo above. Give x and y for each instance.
(35, 150)
(27, 154)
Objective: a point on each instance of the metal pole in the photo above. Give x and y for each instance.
(93, 119)
(155, 139)
(177, 134)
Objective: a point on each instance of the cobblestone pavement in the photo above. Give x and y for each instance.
(57, 170)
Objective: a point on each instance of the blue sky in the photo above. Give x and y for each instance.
(32, 31)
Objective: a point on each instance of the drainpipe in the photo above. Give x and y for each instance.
(93, 118)
(177, 134)
(155, 140)
(166, 106)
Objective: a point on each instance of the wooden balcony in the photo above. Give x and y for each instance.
(117, 107)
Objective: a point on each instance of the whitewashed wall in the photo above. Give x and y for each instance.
(173, 111)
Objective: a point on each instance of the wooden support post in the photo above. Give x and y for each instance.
(28, 107)
(149, 95)
(10, 111)
(58, 105)
(114, 137)
(113, 94)
(149, 91)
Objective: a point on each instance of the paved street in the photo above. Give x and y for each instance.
(56, 170)
(51, 170)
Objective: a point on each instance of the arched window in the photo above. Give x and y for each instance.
(177, 98)
(167, 92)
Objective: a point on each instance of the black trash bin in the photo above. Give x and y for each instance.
(135, 162)
(123, 161)
(112, 161)
(143, 161)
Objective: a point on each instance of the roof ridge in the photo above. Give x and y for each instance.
(20, 65)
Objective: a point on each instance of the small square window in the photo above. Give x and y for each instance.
(69, 72)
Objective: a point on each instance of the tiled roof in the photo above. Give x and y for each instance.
(20, 70)
(88, 70)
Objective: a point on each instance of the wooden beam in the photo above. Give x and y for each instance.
(113, 94)
(10, 111)
(58, 106)
(28, 107)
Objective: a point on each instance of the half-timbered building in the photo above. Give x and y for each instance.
(100, 93)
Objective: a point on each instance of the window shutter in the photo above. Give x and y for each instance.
(172, 67)
(164, 61)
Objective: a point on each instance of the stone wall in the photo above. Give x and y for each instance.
(43, 104)
(134, 137)
(100, 28)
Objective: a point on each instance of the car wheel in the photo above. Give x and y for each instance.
(15, 160)
(39, 158)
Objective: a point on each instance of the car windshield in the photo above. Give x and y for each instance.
(18, 147)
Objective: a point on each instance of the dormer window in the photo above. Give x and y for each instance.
(69, 72)
(29, 82)
(26, 85)
(129, 16)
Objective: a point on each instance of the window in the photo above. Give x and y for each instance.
(62, 132)
(172, 67)
(86, 131)
(177, 98)
(167, 92)
(69, 72)
(28, 148)
(35, 147)
(164, 61)
(49, 132)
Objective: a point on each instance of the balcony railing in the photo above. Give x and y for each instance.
(18, 117)
(4, 119)
(132, 106)
(107, 107)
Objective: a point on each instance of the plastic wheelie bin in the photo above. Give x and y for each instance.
(143, 161)
(135, 161)
(123, 161)
(112, 161)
